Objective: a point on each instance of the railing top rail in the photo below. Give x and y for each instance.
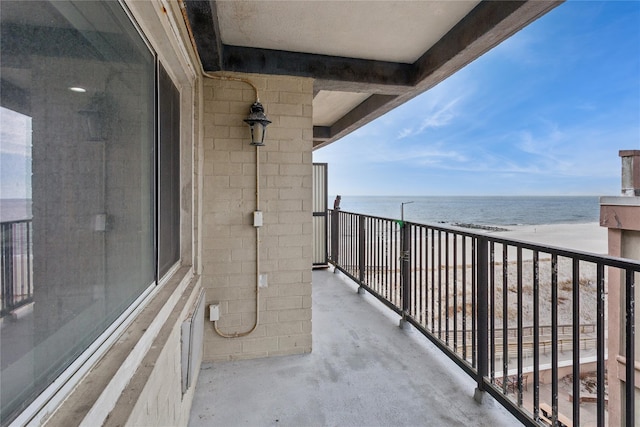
(368, 216)
(17, 221)
(607, 260)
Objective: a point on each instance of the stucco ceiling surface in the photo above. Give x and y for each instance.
(396, 31)
(329, 106)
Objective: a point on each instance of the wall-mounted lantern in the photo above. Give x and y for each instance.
(258, 123)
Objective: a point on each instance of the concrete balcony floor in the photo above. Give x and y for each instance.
(364, 371)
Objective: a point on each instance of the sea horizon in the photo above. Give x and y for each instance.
(497, 210)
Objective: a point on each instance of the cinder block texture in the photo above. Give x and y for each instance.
(282, 183)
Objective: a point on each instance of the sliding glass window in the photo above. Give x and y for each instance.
(169, 173)
(77, 180)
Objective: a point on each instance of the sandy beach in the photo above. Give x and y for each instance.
(590, 237)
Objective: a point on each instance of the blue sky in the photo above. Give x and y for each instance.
(543, 113)
(15, 155)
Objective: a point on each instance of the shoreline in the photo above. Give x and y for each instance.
(584, 237)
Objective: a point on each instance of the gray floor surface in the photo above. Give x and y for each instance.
(364, 371)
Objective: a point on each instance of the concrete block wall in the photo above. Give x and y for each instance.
(228, 202)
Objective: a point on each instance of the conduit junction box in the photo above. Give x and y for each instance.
(214, 312)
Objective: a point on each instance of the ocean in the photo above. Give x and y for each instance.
(15, 209)
(478, 210)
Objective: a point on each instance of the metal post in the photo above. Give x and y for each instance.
(482, 315)
(8, 299)
(630, 353)
(361, 252)
(402, 210)
(334, 237)
(405, 272)
(600, 344)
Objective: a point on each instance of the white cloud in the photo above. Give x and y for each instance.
(405, 133)
(438, 116)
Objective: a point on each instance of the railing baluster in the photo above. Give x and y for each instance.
(455, 293)
(439, 284)
(600, 343)
(405, 270)
(416, 266)
(446, 288)
(474, 305)
(29, 259)
(576, 340)
(362, 248)
(390, 261)
(395, 267)
(519, 321)
(554, 338)
(492, 317)
(536, 336)
(378, 258)
(421, 266)
(433, 272)
(385, 263)
(630, 351)
(483, 301)
(505, 318)
(464, 297)
(7, 270)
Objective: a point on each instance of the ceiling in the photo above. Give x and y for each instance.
(366, 56)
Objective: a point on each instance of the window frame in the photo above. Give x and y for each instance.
(174, 193)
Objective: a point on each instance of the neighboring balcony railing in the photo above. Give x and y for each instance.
(16, 258)
(499, 308)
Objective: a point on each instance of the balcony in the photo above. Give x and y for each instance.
(363, 371)
(512, 319)
(496, 319)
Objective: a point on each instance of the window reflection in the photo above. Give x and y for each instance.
(81, 162)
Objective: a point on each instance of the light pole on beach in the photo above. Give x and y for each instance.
(402, 209)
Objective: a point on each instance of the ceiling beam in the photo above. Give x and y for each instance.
(485, 22)
(357, 117)
(321, 67)
(321, 133)
(204, 28)
(359, 87)
(354, 74)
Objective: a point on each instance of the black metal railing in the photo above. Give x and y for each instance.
(16, 259)
(499, 308)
